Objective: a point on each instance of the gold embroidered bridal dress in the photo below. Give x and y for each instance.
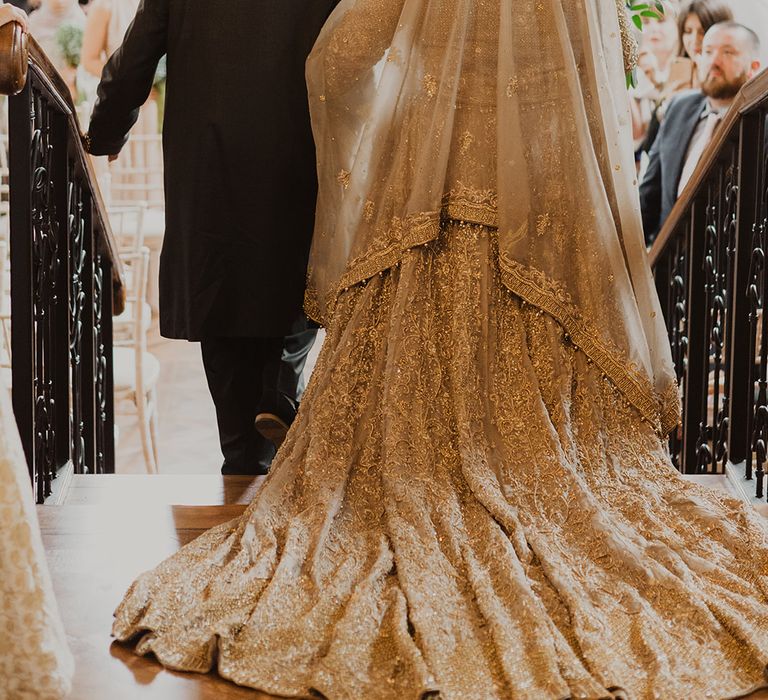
(475, 501)
(35, 660)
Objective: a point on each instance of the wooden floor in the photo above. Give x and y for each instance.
(188, 437)
(129, 490)
(95, 551)
(109, 530)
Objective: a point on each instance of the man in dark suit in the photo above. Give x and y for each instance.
(25, 5)
(728, 60)
(240, 181)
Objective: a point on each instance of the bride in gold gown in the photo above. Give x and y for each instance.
(475, 500)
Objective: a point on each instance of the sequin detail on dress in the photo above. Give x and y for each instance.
(465, 507)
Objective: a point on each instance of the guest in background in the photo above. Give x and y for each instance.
(108, 21)
(46, 26)
(729, 58)
(659, 45)
(693, 22)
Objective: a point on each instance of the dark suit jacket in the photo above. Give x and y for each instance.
(21, 4)
(240, 173)
(658, 191)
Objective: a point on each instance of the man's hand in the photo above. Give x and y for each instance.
(86, 139)
(9, 13)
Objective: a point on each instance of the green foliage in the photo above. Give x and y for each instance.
(70, 41)
(638, 10)
(652, 10)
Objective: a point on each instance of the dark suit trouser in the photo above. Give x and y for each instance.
(248, 376)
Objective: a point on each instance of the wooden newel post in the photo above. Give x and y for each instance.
(14, 59)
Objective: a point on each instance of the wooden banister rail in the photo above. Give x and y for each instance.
(14, 58)
(66, 282)
(709, 262)
(748, 100)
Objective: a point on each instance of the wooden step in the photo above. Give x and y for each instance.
(113, 529)
(94, 552)
(161, 489)
(734, 484)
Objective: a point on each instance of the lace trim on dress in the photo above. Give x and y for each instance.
(470, 205)
(663, 412)
(464, 204)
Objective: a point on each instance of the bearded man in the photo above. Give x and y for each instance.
(729, 58)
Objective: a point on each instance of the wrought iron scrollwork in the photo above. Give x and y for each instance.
(677, 324)
(77, 305)
(719, 240)
(61, 292)
(721, 328)
(712, 257)
(757, 359)
(45, 262)
(101, 362)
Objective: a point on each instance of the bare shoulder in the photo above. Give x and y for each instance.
(100, 9)
(99, 13)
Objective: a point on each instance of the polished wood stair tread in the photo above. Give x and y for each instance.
(161, 489)
(96, 550)
(94, 553)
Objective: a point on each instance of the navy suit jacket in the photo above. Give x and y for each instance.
(658, 190)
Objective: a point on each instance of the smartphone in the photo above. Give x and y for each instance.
(681, 71)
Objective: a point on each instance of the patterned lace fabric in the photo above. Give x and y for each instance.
(35, 662)
(465, 508)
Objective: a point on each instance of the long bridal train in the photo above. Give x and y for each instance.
(465, 505)
(475, 500)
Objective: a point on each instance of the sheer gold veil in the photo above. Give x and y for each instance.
(506, 113)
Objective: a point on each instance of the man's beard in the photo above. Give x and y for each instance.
(721, 89)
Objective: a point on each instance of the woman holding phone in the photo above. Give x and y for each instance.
(694, 21)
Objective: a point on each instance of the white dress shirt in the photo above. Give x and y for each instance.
(702, 136)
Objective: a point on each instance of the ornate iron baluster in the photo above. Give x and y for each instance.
(676, 314)
(722, 338)
(44, 265)
(758, 356)
(704, 454)
(696, 371)
(761, 409)
(76, 221)
(101, 316)
(61, 288)
(756, 371)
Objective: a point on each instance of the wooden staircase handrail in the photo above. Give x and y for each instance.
(45, 71)
(14, 57)
(751, 96)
